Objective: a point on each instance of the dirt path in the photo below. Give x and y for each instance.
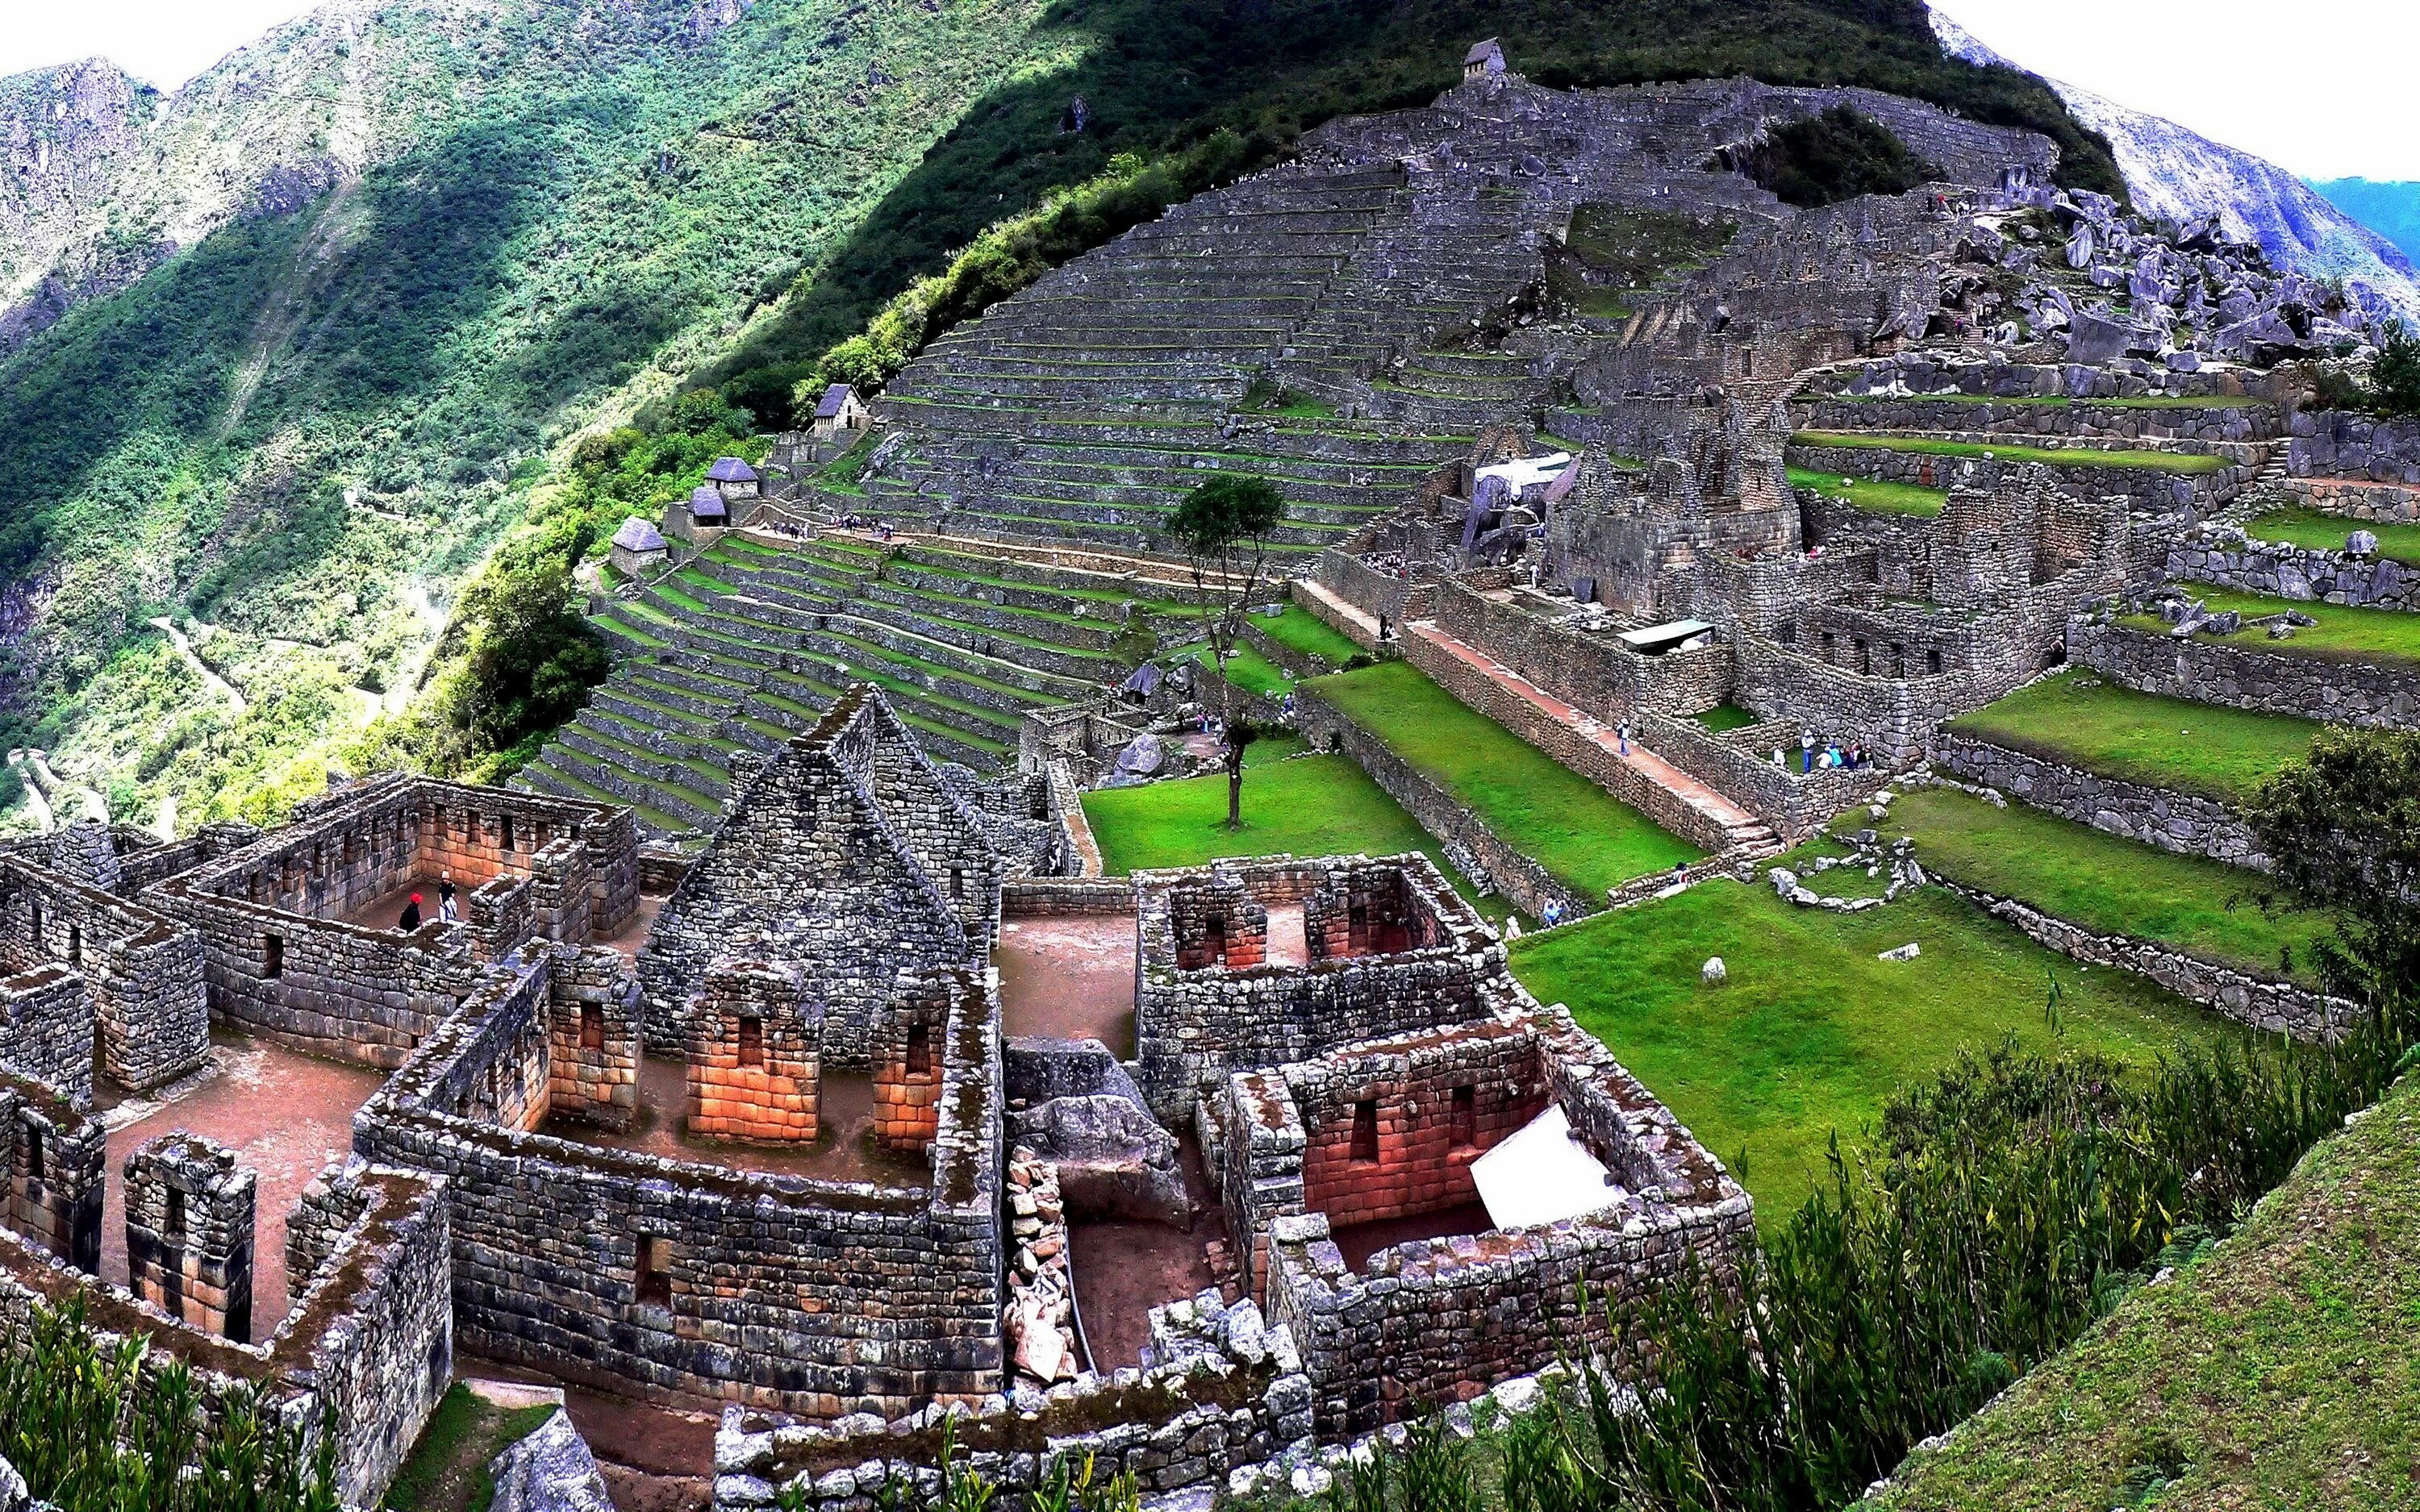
(65, 797)
(201, 669)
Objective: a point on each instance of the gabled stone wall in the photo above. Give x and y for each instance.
(189, 1233)
(144, 968)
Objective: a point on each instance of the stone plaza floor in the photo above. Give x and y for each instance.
(283, 1113)
(1069, 979)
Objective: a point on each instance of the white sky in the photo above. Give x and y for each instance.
(2318, 87)
(163, 41)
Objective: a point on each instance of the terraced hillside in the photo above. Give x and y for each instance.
(1339, 325)
(748, 644)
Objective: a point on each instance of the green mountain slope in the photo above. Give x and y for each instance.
(478, 227)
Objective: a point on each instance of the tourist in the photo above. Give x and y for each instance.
(1554, 914)
(445, 909)
(410, 920)
(1806, 752)
(1622, 737)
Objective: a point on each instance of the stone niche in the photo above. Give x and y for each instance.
(189, 1233)
(1218, 922)
(907, 1070)
(755, 1055)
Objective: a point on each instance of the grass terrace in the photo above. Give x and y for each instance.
(2077, 456)
(2316, 530)
(447, 1469)
(1301, 630)
(2099, 726)
(1813, 1032)
(2148, 401)
(1874, 493)
(2275, 1372)
(2104, 883)
(2341, 634)
(1247, 670)
(1293, 805)
(1724, 717)
(1585, 837)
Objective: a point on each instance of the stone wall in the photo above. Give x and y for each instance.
(1193, 1027)
(365, 1352)
(46, 1032)
(2337, 443)
(664, 1279)
(1792, 802)
(2184, 823)
(1377, 594)
(1969, 372)
(1893, 717)
(2380, 695)
(57, 1164)
(2226, 557)
(143, 969)
(1066, 897)
(1593, 673)
(2023, 422)
(189, 1233)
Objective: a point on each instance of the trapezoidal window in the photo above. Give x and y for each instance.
(35, 904)
(75, 946)
(957, 882)
(1466, 1117)
(172, 1227)
(751, 1041)
(592, 1026)
(1932, 662)
(508, 832)
(33, 1154)
(656, 1269)
(1365, 1131)
(919, 1050)
(273, 955)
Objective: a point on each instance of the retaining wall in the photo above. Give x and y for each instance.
(2271, 681)
(2181, 821)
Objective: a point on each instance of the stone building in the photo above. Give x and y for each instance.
(840, 416)
(638, 546)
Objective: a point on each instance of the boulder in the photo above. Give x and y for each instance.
(1905, 952)
(1713, 973)
(2095, 340)
(1114, 1159)
(2362, 543)
(1141, 757)
(550, 1471)
(14, 1497)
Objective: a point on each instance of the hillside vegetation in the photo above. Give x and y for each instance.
(300, 435)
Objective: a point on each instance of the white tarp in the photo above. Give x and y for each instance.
(1522, 474)
(1541, 1175)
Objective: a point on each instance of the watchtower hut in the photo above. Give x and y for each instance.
(1485, 60)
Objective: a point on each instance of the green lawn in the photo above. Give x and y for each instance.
(1583, 836)
(2099, 726)
(1306, 632)
(1872, 493)
(2276, 1373)
(1310, 806)
(1812, 1033)
(2341, 634)
(1724, 717)
(2048, 457)
(447, 1469)
(2105, 883)
(2315, 530)
(1247, 670)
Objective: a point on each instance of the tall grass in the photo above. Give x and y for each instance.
(2004, 1206)
(97, 1427)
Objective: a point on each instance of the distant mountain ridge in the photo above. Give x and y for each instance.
(2389, 208)
(2182, 174)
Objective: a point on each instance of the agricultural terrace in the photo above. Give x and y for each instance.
(2315, 530)
(1813, 1032)
(2272, 1371)
(2059, 401)
(2075, 456)
(1585, 837)
(1873, 494)
(2342, 634)
(1293, 805)
(2105, 883)
(1299, 629)
(2099, 726)
(1247, 670)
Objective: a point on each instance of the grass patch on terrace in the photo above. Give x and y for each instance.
(2275, 1372)
(2315, 530)
(2099, 726)
(2105, 883)
(1812, 1033)
(1301, 630)
(2078, 456)
(1247, 670)
(1724, 717)
(447, 1469)
(1321, 805)
(1874, 493)
(1267, 399)
(1583, 836)
(2341, 634)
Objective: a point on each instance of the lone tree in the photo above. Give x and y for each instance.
(1223, 527)
(2344, 823)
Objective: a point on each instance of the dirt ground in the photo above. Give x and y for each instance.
(844, 1151)
(1124, 1268)
(1069, 979)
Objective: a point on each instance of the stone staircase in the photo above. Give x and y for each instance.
(740, 648)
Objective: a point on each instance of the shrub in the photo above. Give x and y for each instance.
(1838, 155)
(2395, 378)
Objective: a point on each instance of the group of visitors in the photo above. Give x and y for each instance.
(446, 909)
(1832, 755)
(1388, 564)
(866, 522)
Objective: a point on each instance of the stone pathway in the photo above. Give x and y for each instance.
(1743, 829)
(1344, 616)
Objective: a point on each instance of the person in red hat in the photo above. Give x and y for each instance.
(410, 915)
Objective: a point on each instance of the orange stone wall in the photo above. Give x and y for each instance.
(771, 1094)
(1423, 1161)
